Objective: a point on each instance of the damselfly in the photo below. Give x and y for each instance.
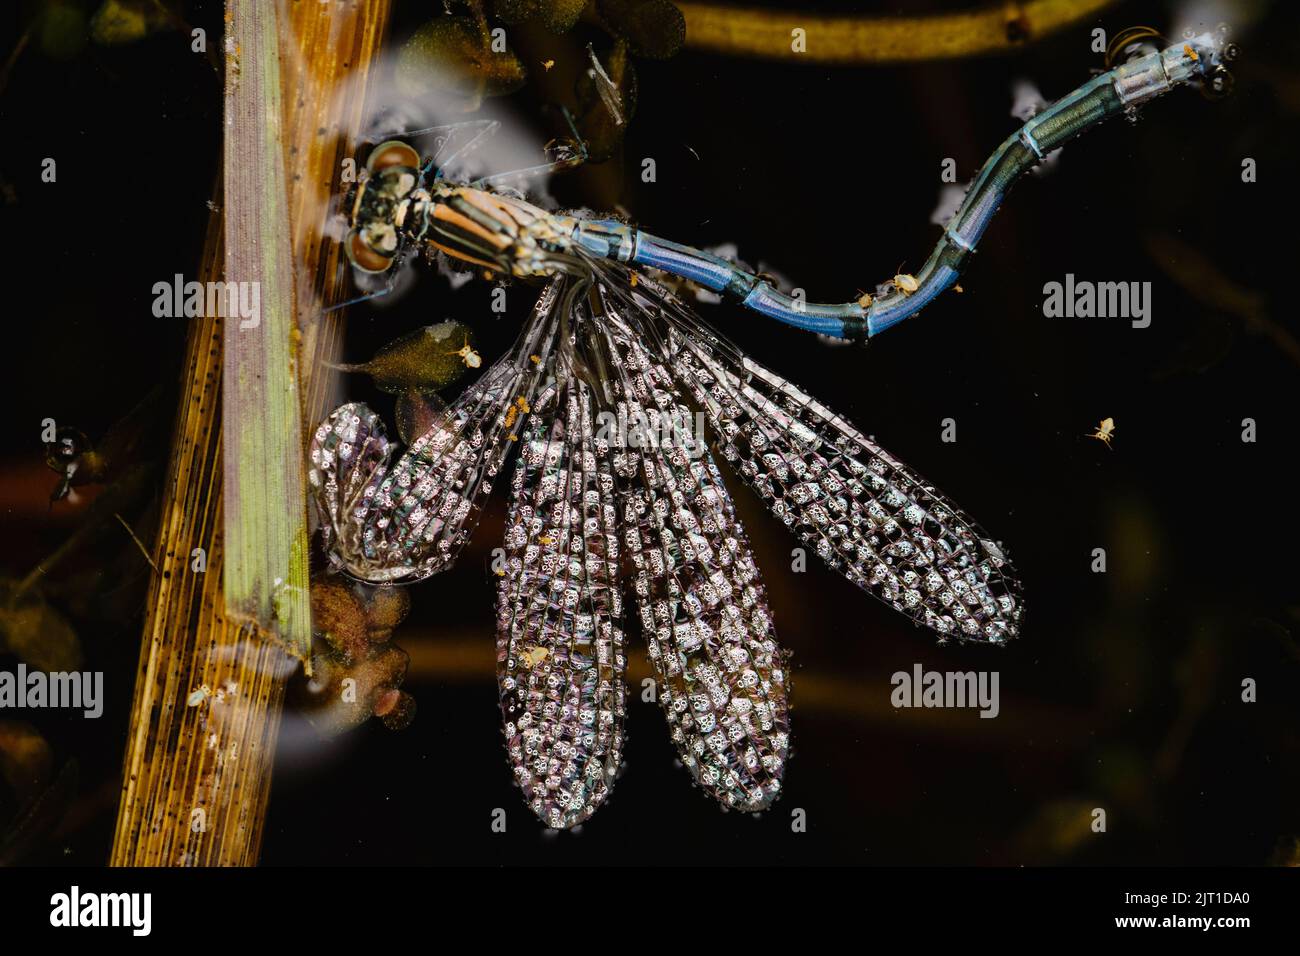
(601, 515)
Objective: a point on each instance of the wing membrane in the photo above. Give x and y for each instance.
(864, 512)
(409, 521)
(703, 608)
(560, 654)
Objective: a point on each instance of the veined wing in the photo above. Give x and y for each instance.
(560, 653)
(723, 676)
(409, 521)
(863, 511)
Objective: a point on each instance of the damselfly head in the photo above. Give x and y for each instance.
(381, 212)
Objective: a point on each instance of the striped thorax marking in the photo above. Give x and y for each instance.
(495, 231)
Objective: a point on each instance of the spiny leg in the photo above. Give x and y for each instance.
(578, 157)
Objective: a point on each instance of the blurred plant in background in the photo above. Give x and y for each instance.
(469, 54)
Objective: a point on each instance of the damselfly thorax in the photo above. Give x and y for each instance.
(394, 210)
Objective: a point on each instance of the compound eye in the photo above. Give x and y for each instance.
(392, 153)
(363, 257)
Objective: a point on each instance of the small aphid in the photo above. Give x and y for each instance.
(198, 696)
(535, 359)
(958, 288)
(1104, 432)
(467, 355)
(632, 279)
(864, 300)
(1192, 54)
(906, 283)
(547, 64)
(545, 540)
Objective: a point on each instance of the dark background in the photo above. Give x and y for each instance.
(1124, 690)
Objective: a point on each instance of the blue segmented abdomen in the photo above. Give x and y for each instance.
(1107, 95)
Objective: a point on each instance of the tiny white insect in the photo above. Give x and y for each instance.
(906, 283)
(1104, 431)
(471, 358)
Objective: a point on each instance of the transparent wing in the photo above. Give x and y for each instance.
(702, 604)
(348, 458)
(560, 653)
(464, 137)
(409, 521)
(865, 513)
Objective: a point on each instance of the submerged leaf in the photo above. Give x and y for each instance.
(516, 11)
(654, 29)
(396, 708)
(63, 30)
(388, 608)
(125, 21)
(453, 54)
(417, 412)
(25, 759)
(338, 617)
(40, 816)
(333, 707)
(431, 357)
(37, 633)
(558, 16)
(351, 617)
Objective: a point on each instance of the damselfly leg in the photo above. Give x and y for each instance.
(577, 155)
